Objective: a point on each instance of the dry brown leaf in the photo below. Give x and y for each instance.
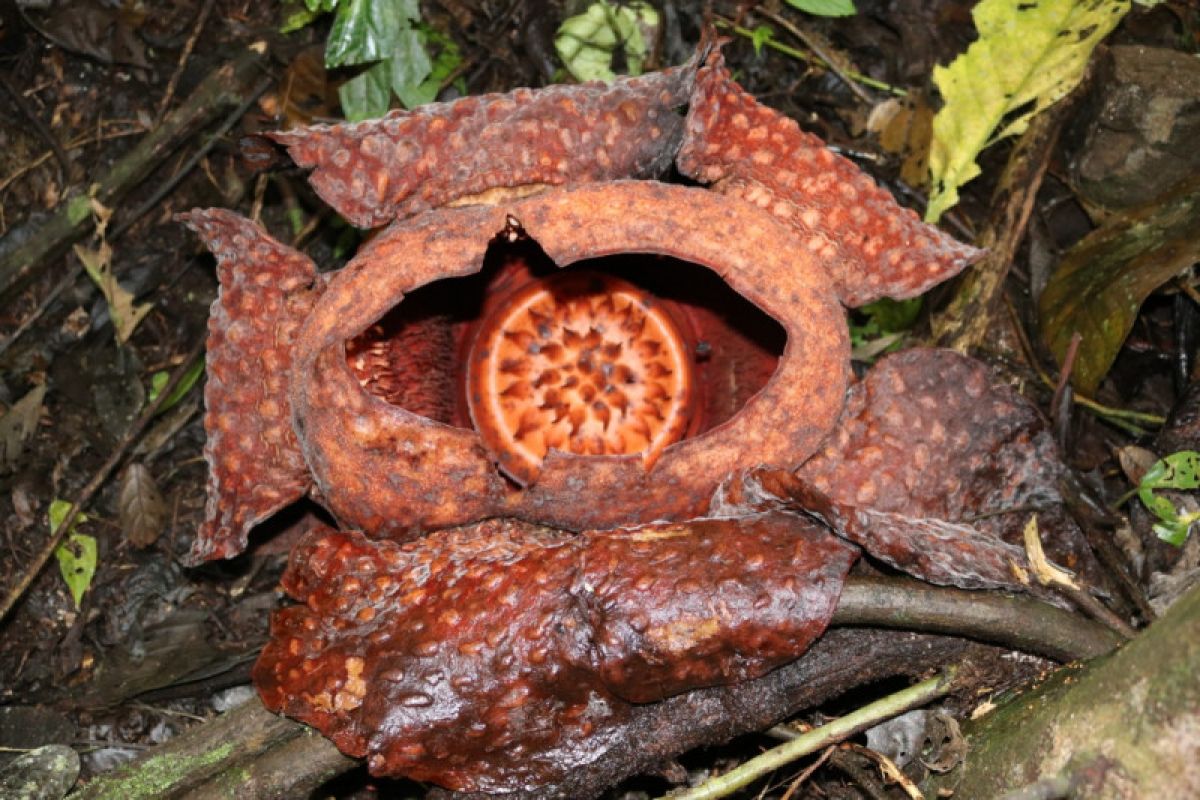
(142, 510)
(18, 425)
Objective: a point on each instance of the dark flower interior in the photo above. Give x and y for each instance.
(418, 356)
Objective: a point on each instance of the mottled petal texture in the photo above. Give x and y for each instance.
(870, 245)
(502, 655)
(255, 464)
(395, 474)
(932, 435)
(488, 147)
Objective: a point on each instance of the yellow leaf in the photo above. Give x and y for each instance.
(1029, 55)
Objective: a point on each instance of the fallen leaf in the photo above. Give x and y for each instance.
(1102, 281)
(905, 128)
(18, 425)
(1029, 55)
(77, 555)
(1046, 573)
(140, 506)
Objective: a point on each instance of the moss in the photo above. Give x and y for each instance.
(156, 775)
(1126, 725)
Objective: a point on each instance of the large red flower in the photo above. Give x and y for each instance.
(608, 398)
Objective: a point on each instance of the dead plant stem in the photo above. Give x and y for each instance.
(818, 738)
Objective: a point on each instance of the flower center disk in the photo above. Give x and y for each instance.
(580, 362)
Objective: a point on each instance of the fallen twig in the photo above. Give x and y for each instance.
(188, 47)
(150, 203)
(811, 43)
(114, 460)
(225, 86)
(854, 722)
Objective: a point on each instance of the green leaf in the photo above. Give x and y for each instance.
(1029, 55)
(296, 15)
(1101, 282)
(1174, 532)
(1180, 470)
(410, 67)
(159, 380)
(587, 43)
(367, 30)
(824, 8)
(368, 94)
(878, 327)
(300, 13)
(77, 555)
(759, 37)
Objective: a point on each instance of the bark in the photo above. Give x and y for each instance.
(1125, 725)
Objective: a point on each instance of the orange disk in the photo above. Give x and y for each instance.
(579, 362)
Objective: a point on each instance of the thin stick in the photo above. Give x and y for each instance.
(1120, 417)
(811, 44)
(183, 59)
(169, 185)
(800, 55)
(43, 130)
(808, 771)
(224, 87)
(80, 142)
(865, 717)
(149, 204)
(97, 481)
(36, 314)
(1064, 374)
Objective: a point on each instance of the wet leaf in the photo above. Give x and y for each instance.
(448, 58)
(140, 506)
(304, 93)
(824, 8)
(1102, 281)
(367, 30)
(905, 127)
(77, 555)
(18, 425)
(587, 43)
(88, 27)
(410, 66)
(381, 33)
(1029, 55)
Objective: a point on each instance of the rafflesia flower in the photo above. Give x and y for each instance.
(588, 435)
